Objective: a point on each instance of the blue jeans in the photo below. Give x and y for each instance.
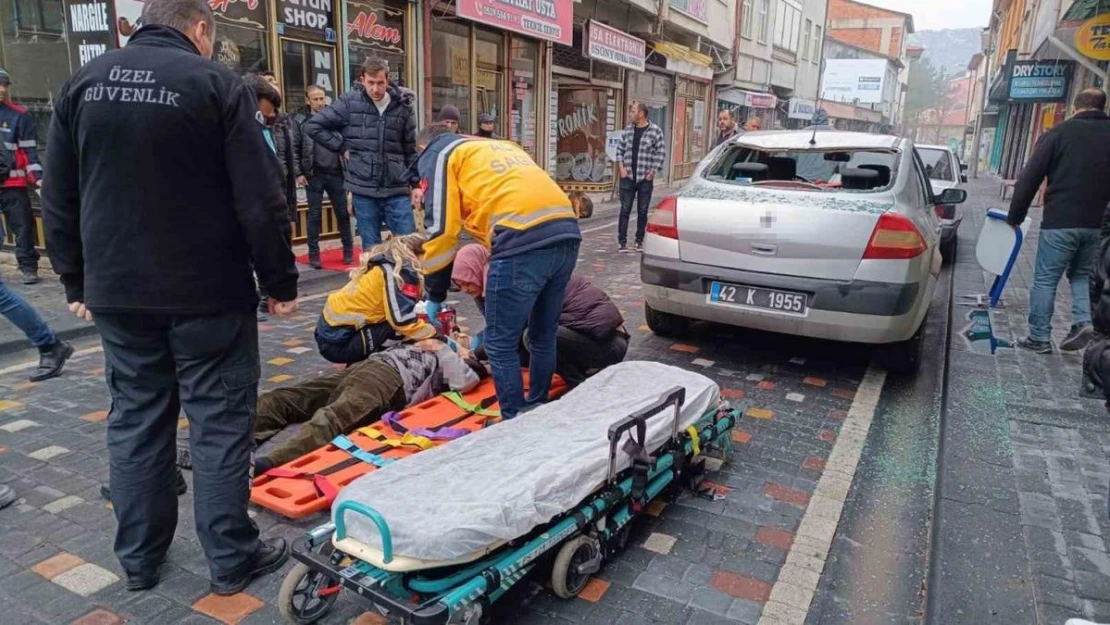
(16, 310)
(370, 212)
(526, 289)
(1065, 250)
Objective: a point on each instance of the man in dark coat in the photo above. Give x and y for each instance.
(1074, 158)
(285, 135)
(161, 195)
(323, 170)
(377, 125)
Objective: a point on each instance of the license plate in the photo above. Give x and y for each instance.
(756, 297)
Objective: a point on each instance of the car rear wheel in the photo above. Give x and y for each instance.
(904, 358)
(665, 324)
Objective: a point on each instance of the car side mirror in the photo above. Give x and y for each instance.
(963, 166)
(963, 178)
(952, 196)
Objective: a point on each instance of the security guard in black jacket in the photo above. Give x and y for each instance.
(161, 195)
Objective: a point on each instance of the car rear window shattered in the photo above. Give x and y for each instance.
(855, 171)
(754, 195)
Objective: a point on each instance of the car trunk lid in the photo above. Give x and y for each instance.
(797, 233)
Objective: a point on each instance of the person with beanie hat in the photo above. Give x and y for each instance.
(449, 116)
(485, 126)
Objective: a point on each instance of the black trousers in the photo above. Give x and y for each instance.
(155, 366)
(640, 193)
(16, 205)
(332, 184)
(578, 356)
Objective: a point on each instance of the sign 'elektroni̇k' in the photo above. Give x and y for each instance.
(544, 19)
(610, 45)
(1040, 81)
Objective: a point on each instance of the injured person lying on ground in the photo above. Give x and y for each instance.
(591, 334)
(346, 399)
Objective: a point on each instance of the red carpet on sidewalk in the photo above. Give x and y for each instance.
(332, 260)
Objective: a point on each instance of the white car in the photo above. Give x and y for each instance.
(816, 233)
(945, 171)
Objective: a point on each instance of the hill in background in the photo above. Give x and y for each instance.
(950, 48)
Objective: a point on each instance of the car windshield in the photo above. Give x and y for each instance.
(808, 170)
(938, 165)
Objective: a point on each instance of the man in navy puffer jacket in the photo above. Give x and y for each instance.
(376, 127)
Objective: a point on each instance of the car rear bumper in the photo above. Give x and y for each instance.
(856, 311)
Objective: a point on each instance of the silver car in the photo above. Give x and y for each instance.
(944, 170)
(816, 233)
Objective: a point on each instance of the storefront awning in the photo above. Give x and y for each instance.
(683, 60)
(750, 99)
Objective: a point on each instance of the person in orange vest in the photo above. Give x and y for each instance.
(17, 131)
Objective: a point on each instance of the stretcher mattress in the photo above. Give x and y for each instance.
(453, 504)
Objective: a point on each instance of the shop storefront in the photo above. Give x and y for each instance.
(691, 139)
(587, 102)
(382, 29)
(748, 104)
(678, 102)
(493, 65)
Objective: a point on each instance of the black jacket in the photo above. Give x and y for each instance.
(287, 141)
(312, 154)
(1075, 158)
(1096, 358)
(161, 192)
(383, 147)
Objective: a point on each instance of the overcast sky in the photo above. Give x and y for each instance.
(937, 14)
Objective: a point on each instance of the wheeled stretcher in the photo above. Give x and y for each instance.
(440, 537)
(309, 484)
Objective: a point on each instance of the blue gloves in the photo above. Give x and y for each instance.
(433, 309)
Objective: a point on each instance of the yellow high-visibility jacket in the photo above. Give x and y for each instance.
(379, 297)
(494, 191)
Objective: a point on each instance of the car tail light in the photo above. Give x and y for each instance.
(895, 236)
(664, 219)
(944, 211)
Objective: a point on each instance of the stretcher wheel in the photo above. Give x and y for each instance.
(307, 595)
(566, 581)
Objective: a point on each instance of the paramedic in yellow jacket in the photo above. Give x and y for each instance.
(377, 308)
(494, 191)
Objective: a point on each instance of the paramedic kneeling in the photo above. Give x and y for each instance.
(494, 191)
(378, 306)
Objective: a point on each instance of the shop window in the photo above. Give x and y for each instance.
(241, 49)
(524, 69)
(33, 50)
(376, 29)
(305, 64)
(580, 135)
(451, 69)
(489, 76)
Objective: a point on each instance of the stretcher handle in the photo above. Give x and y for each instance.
(673, 398)
(370, 513)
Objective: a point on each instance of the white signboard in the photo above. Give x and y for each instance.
(610, 45)
(801, 109)
(854, 80)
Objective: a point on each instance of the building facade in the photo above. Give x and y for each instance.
(878, 30)
(860, 87)
(1038, 54)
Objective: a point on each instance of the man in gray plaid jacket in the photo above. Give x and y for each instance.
(640, 158)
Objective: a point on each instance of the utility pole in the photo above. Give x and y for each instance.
(989, 52)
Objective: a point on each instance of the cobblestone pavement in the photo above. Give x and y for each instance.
(1022, 515)
(693, 561)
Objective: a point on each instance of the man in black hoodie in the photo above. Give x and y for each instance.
(377, 125)
(161, 194)
(1074, 158)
